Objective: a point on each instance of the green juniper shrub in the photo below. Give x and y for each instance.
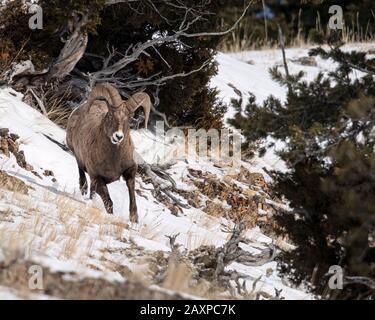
(187, 101)
(327, 126)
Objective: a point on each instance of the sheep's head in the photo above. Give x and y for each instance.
(116, 123)
(119, 111)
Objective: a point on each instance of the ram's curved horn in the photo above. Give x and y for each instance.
(107, 93)
(115, 95)
(137, 100)
(102, 98)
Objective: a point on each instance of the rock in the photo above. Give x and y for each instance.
(35, 173)
(14, 136)
(21, 161)
(174, 210)
(48, 173)
(13, 146)
(9, 145)
(269, 272)
(4, 132)
(4, 147)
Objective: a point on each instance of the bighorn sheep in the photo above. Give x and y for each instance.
(98, 133)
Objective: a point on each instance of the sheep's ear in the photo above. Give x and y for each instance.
(137, 100)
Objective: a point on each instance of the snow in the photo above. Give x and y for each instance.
(248, 71)
(11, 294)
(55, 243)
(245, 78)
(30, 125)
(195, 228)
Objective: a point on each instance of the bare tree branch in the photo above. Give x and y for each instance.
(368, 282)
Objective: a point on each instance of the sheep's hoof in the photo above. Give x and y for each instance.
(83, 189)
(109, 208)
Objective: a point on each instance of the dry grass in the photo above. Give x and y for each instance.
(69, 248)
(7, 58)
(12, 183)
(194, 240)
(55, 224)
(353, 32)
(64, 215)
(104, 231)
(178, 277)
(52, 100)
(241, 205)
(94, 216)
(13, 239)
(74, 231)
(118, 228)
(150, 231)
(50, 237)
(40, 225)
(58, 112)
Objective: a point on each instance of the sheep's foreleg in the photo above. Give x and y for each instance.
(98, 186)
(129, 176)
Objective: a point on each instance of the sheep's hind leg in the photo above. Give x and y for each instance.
(99, 186)
(129, 176)
(82, 181)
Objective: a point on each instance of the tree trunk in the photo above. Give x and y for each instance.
(74, 48)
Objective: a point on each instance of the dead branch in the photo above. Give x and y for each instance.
(109, 71)
(368, 282)
(114, 67)
(162, 182)
(172, 242)
(156, 104)
(39, 101)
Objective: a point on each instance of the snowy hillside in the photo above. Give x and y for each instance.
(45, 220)
(248, 71)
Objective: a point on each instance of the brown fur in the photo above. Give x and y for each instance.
(89, 133)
